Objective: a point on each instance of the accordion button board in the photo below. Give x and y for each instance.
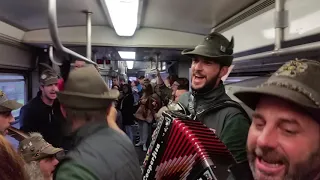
(185, 149)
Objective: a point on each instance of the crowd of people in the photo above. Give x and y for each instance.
(141, 101)
(79, 129)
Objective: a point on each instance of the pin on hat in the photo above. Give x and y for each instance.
(48, 77)
(7, 105)
(214, 46)
(296, 81)
(35, 148)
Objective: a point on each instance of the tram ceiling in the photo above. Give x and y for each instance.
(32, 15)
(178, 15)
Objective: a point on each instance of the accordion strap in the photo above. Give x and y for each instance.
(221, 105)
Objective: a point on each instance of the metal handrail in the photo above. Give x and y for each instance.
(51, 57)
(53, 28)
(283, 51)
(279, 35)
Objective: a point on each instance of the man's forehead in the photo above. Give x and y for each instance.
(198, 57)
(279, 109)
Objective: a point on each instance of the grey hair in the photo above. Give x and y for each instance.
(33, 170)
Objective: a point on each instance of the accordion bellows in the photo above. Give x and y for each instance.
(185, 149)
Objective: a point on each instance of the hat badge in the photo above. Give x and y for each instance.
(2, 93)
(292, 68)
(43, 76)
(223, 49)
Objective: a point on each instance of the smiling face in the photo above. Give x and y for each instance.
(283, 142)
(206, 73)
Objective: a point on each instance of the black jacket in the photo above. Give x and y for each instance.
(36, 116)
(127, 109)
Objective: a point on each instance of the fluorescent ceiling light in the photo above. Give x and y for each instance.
(124, 15)
(129, 64)
(127, 54)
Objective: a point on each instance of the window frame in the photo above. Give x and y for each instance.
(27, 84)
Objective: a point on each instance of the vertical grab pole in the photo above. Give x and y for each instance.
(157, 60)
(89, 32)
(281, 22)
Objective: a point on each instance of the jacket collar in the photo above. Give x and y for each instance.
(86, 131)
(209, 98)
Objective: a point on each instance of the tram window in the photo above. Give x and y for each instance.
(163, 67)
(132, 79)
(13, 85)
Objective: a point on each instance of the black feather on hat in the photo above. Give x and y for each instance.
(65, 69)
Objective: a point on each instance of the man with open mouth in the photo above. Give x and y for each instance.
(6, 106)
(284, 137)
(42, 114)
(208, 100)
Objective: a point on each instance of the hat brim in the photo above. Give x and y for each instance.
(221, 58)
(87, 101)
(51, 150)
(251, 97)
(50, 82)
(10, 105)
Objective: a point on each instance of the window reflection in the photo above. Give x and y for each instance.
(14, 87)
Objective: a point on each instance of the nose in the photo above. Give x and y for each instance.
(11, 119)
(197, 65)
(268, 138)
(54, 161)
(55, 87)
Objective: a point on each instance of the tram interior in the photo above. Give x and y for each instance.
(162, 29)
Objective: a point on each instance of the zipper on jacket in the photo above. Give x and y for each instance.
(50, 116)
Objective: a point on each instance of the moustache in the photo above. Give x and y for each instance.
(196, 73)
(270, 155)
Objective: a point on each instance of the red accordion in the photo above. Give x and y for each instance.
(182, 148)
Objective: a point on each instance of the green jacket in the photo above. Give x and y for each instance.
(230, 123)
(71, 170)
(99, 153)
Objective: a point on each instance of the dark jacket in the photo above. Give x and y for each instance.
(127, 109)
(36, 116)
(99, 153)
(230, 123)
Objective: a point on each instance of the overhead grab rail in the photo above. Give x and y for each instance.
(280, 24)
(51, 57)
(155, 70)
(284, 51)
(53, 28)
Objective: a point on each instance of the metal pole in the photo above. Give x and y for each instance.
(281, 22)
(51, 57)
(285, 51)
(89, 32)
(53, 28)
